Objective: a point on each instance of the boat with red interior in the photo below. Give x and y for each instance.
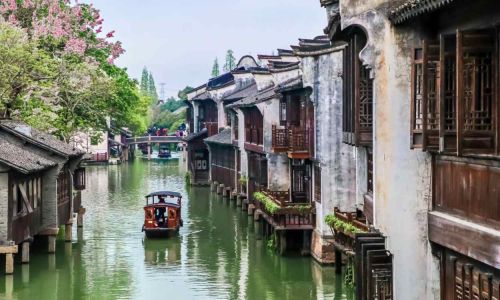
(162, 214)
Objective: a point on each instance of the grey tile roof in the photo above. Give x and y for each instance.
(202, 96)
(241, 92)
(195, 135)
(22, 160)
(223, 138)
(290, 84)
(39, 138)
(400, 11)
(251, 100)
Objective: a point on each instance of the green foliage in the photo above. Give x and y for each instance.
(183, 93)
(152, 88)
(340, 225)
(269, 204)
(243, 180)
(272, 243)
(215, 68)
(349, 272)
(230, 61)
(145, 81)
(172, 105)
(25, 71)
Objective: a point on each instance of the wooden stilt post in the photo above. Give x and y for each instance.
(25, 254)
(338, 261)
(9, 263)
(68, 232)
(52, 243)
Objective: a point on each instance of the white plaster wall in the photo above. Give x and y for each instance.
(402, 177)
(278, 172)
(280, 77)
(241, 143)
(337, 160)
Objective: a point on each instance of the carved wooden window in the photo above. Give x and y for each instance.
(63, 186)
(26, 193)
(357, 120)
(369, 175)
(79, 179)
(283, 111)
(317, 183)
(454, 93)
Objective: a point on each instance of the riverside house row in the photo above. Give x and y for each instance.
(376, 145)
(40, 189)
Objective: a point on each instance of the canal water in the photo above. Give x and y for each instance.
(217, 254)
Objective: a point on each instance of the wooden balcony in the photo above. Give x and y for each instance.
(465, 216)
(344, 239)
(280, 142)
(296, 142)
(290, 215)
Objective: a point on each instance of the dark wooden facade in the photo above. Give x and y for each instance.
(198, 160)
(223, 165)
(208, 117)
(254, 129)
(25, 206)
(357, 106)
(64, 197)
(454, 116)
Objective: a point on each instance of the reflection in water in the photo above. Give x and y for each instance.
(217, 255)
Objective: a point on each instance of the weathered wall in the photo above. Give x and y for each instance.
(402, 190)
(278, 172)
(4, 202)
(241, 143)
(337, 160)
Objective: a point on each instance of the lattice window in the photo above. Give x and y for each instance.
(454, 101)
(357, 106)
(369, 175)
(366, 100)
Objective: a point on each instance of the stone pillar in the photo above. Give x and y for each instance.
(259, 230)
(149, 147)
(238, 201)
(68, 232)
(251, 208)
(52, 243)
(227, 192)
(79, 218)
(25, 254)
(213, 186)
(282, 242)
(306, 243)
(220, 188)
(9, 263)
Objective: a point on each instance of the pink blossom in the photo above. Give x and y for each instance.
(110, 34)
(76, 46)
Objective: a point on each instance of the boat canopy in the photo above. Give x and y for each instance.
(165, 194)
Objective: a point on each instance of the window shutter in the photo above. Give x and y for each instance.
(476, 91)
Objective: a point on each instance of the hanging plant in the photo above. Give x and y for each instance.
(272, 242)
(349, 272)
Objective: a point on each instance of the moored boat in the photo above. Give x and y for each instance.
(162, 214)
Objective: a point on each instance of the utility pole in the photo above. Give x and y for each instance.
(162, 91)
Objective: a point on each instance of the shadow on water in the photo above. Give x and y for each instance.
(216, 255)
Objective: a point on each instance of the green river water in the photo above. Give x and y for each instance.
(215, 256)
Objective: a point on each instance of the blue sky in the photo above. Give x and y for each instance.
(179, 39)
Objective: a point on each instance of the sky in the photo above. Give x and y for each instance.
(178, 40)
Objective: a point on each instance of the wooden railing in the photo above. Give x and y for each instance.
(352, 218)
(280, 142)
(299, 138)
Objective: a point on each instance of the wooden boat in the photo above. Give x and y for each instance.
(164, 152)
(162, 214)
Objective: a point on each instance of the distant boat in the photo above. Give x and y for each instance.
(162, 214)
(164, 152)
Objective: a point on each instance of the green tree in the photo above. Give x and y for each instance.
(25, 71)
(182, 94)
(152, 88)
(215, 68)
(145, 81)
(230, 61)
